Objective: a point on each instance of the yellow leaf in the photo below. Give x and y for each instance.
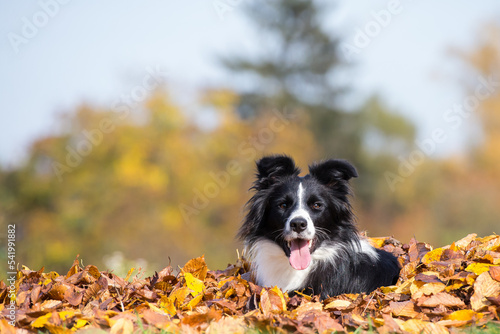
(64, 315)
(224, 281)
(193, 302)
(377, 242)
(195, 285)
(79, 324)
(308, 298)
(41, 321)
(413, 326)
(478, 268)
(178, 295)
(405, 287)
(388, 289)
(167, 305)
(433, 255)
(454, 286)
(129, 274)
(471, 278)
(465, 315)
(52, 275)
(229, 292)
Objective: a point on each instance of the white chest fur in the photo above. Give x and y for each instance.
(272, 268)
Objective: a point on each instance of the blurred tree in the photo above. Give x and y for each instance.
(301, 67)
(298, 68)
(160, 189)
(445, 199)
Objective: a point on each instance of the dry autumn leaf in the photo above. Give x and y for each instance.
(484, 287)
(432, 296)
(495, 273)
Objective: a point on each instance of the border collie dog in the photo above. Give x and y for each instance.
(299, 232)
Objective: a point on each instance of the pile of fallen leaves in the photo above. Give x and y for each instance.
(439, 290)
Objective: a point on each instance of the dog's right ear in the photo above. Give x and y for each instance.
(271, 168)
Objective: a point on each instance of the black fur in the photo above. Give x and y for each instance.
(326, 187)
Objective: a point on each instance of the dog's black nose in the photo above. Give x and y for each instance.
(298, 224)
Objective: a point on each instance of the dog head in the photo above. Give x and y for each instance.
(299, 213)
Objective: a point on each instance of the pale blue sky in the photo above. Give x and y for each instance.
(94, 51)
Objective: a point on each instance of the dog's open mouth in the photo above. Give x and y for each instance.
(300, 253)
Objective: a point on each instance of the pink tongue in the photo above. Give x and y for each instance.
(300, 258)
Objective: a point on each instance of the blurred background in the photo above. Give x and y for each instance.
(129, 130)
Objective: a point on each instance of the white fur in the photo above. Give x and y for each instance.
(272, 267)
(365, 247)
(301, 212)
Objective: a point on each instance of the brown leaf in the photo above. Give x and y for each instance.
(57, 292)
(390, 325)
(495, 273)
(432, 328)
(428, 278)
(414, 326)
(50, 304)
(73, 295)
(197, 267)
(195, 320)
(484, 287)
(155, 318)
(403, 309)
(265, 303)
(167, 271)
(91, 292)
(449, 254)
(122, 326)
(226, 305)
(93, 271)
(419, 289)
(417, 250)
(228, 325)
(441, 298)
(35, 294)
(324, 323)
(463, 244)
(494, 300)
(6, 328)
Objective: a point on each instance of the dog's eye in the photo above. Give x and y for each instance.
(283, 206)
(317, 206)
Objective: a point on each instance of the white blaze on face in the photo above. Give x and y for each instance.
(301, 212)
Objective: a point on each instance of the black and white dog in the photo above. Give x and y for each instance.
(299, 232)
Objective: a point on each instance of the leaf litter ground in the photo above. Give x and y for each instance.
(440, 290)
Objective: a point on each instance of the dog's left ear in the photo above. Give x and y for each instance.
(271, 168)
(331, 171)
